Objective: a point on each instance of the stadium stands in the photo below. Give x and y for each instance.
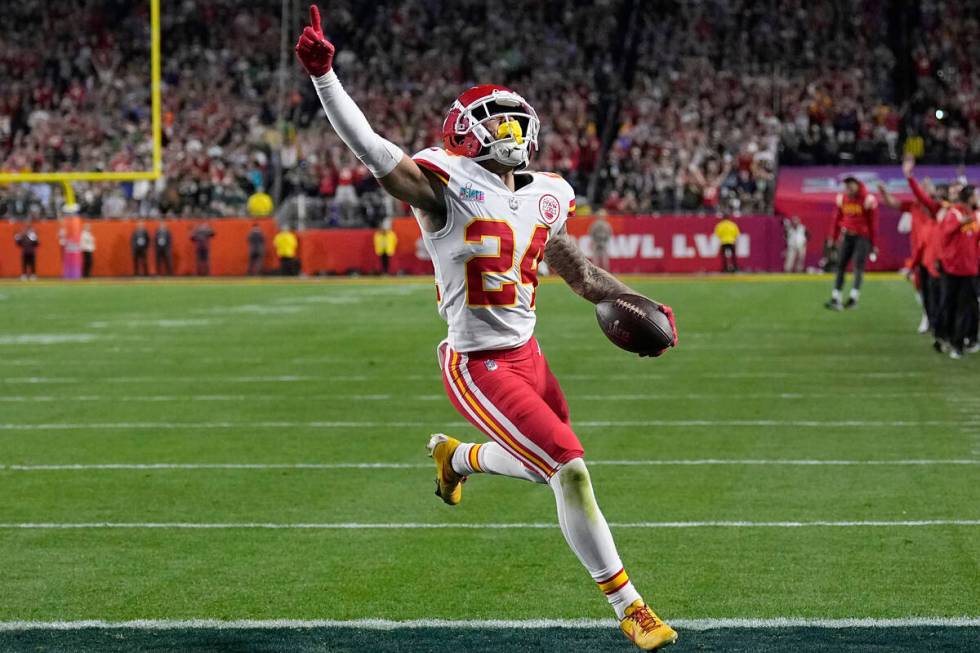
(691, 109)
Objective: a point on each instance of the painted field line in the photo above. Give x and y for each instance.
(325, 397)
(282, 378)
(434, 378)
(355, 424)
(345, 526)
(390, 465)
(485, 624)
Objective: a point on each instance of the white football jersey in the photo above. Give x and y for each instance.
(486, 257)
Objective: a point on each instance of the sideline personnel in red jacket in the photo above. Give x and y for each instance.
(960, 260)
(926, 280)
(856, 226)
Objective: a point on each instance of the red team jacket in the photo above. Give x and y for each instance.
(925, 245)
(856, 215)
(961, 243)
(956, 246)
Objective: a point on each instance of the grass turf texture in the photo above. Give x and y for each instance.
(155, 366)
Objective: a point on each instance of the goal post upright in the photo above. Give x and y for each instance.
(155, 126)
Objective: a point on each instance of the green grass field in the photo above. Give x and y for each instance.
(733, 507)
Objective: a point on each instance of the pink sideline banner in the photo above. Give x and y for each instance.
(647, 244)
(640, 244)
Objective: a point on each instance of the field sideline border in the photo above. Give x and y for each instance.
(348, 526)
(486, 624)
(423, 280)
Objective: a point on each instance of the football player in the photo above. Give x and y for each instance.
(486, 223)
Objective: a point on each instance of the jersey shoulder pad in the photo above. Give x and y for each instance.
(437, 161)
(870, 201)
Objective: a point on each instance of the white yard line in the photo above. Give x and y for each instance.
(392, 465)
(342, 526)
(487, 624)
(355, 424)
(327, 397)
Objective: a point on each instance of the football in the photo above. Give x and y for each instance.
(636, 324)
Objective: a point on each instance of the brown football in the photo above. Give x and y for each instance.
(635, 323)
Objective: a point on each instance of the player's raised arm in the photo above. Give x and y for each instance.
(398, 174)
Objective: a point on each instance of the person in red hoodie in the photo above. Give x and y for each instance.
(855, 226)
(960, 260)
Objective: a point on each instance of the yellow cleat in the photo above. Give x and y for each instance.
(645, 629)
(449, 484)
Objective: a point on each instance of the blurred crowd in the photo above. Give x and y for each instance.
(696, 102)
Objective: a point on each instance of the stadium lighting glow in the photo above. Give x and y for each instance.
(940, 114)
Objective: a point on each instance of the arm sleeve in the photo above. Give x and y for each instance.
(923, 197)
(377, 154)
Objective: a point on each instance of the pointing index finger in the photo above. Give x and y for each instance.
(315, 19)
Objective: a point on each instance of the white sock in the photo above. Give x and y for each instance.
(587, 533)
(855, 293)
(835, 295)
(490, 458)
(918, 298)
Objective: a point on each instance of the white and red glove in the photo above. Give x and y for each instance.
(315, 52)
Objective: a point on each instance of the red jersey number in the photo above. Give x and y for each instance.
(531, 258)
(500, 263)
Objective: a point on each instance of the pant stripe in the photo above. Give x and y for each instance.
(490, 426)
(494, 435)
(522, 441)
(470, 392)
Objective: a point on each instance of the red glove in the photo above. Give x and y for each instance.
(669, 312)
(314, 51)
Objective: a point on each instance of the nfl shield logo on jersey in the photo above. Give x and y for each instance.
(491, 364)
(550, 208)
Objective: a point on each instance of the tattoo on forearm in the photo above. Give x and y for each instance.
(591, 282)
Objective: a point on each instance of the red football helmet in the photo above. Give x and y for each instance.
(492, 122)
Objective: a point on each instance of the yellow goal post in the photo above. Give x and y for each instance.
(67, 177)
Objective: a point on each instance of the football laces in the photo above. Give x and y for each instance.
(632, 308)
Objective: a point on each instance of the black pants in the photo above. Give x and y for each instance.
(728, 261)
(28, 261)
(86, 264)
(973, 328)
(958, 313)
(165, 259)
(931, 289)
(385, 261)
(852, 247)
(203, 260)
(288, 266)
(255, 263)
(141, 266)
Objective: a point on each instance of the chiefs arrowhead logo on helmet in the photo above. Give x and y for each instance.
(492, 122)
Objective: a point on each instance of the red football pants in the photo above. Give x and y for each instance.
(512, 396)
